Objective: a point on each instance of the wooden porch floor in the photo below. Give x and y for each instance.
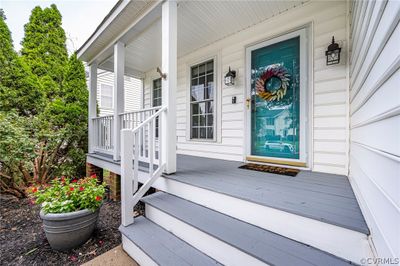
(325, 197)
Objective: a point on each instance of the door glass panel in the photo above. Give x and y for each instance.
(275, 100)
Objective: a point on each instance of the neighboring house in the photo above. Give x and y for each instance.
(337, 123)
(105, 87)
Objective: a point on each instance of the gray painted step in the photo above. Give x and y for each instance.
(163, 247)
(267, 246)
(324, 197)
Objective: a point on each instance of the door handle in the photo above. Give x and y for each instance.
(248, 101)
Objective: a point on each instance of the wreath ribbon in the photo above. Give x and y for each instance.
(271, 71)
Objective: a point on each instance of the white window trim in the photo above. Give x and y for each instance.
(100, 96)
(305, 34)
(216, 100)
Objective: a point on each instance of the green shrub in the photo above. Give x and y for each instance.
(68, 195)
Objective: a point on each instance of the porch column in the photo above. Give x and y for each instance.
(118, 95)
(169, 66)
(92, 112)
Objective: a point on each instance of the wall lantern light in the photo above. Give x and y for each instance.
(229, 79)
(333, 53)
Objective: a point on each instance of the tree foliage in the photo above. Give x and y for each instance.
(43, 99)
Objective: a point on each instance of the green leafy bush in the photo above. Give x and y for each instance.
(68, 195)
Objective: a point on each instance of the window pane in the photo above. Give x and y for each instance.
(195, 72)
(210, 133)
(202, 120)
(197, 93)
(202, 70)
(210, 120)
(202, 108)
(209, 107)
(106, 102)
(195, 108)
(210, 67)
(203, 133)
(195, 134)
(202, 80)
(195, 120)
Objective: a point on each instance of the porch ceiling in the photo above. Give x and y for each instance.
(200, 23)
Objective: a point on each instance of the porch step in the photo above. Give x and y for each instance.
(149, 244)
(228, 240)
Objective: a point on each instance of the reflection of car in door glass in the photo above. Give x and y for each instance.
(278, 146)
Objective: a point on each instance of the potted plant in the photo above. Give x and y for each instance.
(69, 210)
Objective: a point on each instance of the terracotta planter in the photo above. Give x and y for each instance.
(66, 231)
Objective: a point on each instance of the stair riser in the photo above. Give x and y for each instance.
(136, 253)
(341, 242)
(213, 247)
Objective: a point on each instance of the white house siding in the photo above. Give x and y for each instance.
(375, 120)
(330, 85)
(133, 92)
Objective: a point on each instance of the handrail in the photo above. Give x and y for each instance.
(102, 117)
(149, 119)
(141, 110)
(133, 141)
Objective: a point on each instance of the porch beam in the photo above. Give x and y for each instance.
(169, 66)
(92, 108)
(118, 95)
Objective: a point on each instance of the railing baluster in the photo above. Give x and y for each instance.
(151, 147)
(136, 163)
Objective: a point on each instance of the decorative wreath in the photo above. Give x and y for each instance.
(271, 71)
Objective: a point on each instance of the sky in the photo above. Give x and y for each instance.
(80, 17)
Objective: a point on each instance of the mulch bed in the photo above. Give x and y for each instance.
(23, 241)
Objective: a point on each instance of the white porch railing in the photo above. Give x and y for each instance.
(104, 139)
(131, 146)
(103, 134)
(133, 119)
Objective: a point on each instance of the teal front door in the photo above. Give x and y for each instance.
(275, 100)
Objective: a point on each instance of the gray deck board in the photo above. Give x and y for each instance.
(267, 246)
(163, 247)
(321, 196)
(299, 195)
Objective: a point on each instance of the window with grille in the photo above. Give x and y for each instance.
(202, 101)
(157, 92)
(106, 96)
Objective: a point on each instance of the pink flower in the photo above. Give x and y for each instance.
(93, 176)
(73, 258)
(71, 189)
(81, 188)
(74, 181)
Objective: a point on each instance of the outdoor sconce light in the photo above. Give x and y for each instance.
(230, 77)
(333, 53)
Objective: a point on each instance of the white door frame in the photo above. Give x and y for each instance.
(305, 90)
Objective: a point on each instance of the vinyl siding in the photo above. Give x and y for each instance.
(133, 92)
(375, 120)
(328, 92)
